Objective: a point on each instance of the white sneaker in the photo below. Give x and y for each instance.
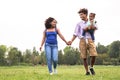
(55, 71)
(51, 73)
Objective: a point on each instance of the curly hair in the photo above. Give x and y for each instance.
(83, 10)
(93, 14)
(48, 22)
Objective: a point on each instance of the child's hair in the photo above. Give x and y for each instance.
(83, 10)
(93, 14)
(48, 22)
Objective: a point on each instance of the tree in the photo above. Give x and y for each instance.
(102, 59)
(60, 57)
(14, 56)
(101, 49)
(19, 57)
(36, 60)
(71, 56)
(35, 52)
(77, 56)
(114, 49)
(35, 57)
(3, 49)
(27, 56)
(42, 58)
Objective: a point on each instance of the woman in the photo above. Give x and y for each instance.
(50, 40)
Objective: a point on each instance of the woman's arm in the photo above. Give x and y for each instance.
(43, 40)
(61, 36)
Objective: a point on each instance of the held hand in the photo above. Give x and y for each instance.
(69, 42)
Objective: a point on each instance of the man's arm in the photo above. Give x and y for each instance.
(76, 34)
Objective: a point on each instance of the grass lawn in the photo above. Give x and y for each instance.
(64, 73)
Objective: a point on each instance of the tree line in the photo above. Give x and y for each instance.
(107, 55)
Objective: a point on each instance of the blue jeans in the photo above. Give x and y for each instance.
(91, 33)
(51, 51)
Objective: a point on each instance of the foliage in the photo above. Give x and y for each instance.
(14, 56)
(3, 49)
(114, 50)
(107, 55)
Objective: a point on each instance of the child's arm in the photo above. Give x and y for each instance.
(61, 36)
(88, 26)
(43, 40)
(93, 25)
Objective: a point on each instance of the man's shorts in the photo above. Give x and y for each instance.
(87, 47)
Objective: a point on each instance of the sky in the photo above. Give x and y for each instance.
(22, 21)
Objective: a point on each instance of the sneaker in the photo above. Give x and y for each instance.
(87, 73)
(92, 71)
(55, 71)
(51, 73)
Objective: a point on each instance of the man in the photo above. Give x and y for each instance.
(86, 42)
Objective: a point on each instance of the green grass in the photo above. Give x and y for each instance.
(64, 73)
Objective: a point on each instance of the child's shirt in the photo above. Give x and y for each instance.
(89, 23)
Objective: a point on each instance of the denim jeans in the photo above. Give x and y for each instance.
(51, 51)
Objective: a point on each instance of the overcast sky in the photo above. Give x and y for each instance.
(22, 21)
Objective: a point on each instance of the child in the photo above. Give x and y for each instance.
(50, 40)
(90, 29)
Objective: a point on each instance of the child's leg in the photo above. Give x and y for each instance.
(92, 34)
(83, 34)
(48, 57)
